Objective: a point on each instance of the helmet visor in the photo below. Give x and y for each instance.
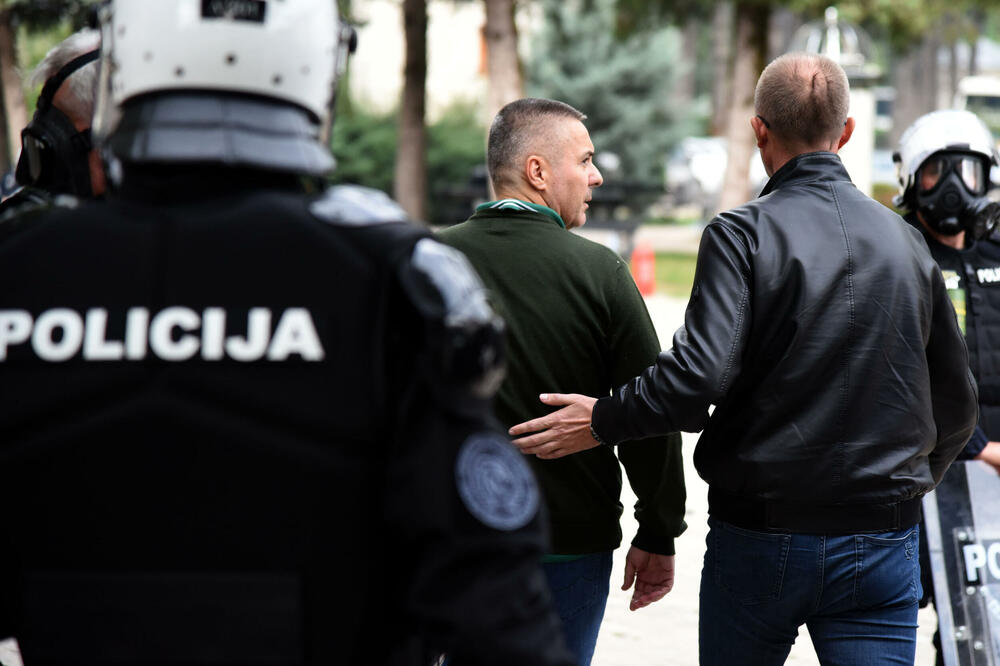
(969, 169)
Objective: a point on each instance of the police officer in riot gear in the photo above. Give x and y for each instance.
(243, 423)
(944, 161)
(57, 156)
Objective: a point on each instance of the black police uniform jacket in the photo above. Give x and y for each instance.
(972, 278)
(820, 329)
(243, 425)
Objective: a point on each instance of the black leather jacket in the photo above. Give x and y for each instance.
(820, 329)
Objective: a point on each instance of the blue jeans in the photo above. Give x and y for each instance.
(857, 595)
(579, 593)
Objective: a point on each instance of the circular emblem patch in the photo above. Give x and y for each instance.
(495, 484)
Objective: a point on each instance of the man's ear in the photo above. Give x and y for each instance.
(846, 134)
(536, 171)
(759, 131)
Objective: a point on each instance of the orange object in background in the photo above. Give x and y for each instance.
(644, 269)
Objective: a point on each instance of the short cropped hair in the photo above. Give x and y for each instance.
(515, 130)
(804, 98)
(81, 84)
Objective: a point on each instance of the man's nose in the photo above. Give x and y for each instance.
(596, 179)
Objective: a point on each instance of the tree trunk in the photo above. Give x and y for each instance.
(909, 103)
(686, 79)
(502, 63)
(751, 48)
(932, 72)
(953, 74)
(722, 37)
(977, 17)
(410, 188)
(15, 109)
(784, 23)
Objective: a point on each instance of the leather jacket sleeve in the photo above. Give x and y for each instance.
(675, 393)
(954, 394)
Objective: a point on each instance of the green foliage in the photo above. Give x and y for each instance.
(904, 23)
(632, 16)
(625, 86)
(456, 144)
(364, 144)
(365, 147)
(31, 48)
(45, 14)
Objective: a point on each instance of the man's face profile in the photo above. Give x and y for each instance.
(574, 173)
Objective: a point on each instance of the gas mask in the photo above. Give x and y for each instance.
(54, 155)
(950, 194)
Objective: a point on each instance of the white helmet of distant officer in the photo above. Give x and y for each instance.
(943, 163)
(238, 82)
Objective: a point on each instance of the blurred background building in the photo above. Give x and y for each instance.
(667, 86)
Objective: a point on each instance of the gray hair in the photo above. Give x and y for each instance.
(516, 129)
(803, 98)
(81, 84)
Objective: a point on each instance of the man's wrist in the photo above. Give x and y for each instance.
(602, 424)
(654, 544)
(599, 439)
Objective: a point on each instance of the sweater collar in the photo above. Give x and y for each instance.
(518, 206)
(821, 166)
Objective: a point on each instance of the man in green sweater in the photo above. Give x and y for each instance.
(576, 324)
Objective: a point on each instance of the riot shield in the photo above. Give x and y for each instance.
(962, 522)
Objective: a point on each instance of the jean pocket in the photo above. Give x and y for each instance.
(888, 569)
(749, 565)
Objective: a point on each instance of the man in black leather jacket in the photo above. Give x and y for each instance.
(820, 329)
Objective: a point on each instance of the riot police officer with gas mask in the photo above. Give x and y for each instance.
(944, 162)
(245, 420)
(57, 155)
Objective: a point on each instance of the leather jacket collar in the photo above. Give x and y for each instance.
(807, 168)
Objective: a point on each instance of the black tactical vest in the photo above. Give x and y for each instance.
(972, 277)
(232, 431)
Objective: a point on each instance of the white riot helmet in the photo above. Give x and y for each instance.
(238, 82)
(946, 131)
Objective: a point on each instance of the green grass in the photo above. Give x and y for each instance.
(675, 273)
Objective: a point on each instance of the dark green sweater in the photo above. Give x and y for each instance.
(575, 324)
